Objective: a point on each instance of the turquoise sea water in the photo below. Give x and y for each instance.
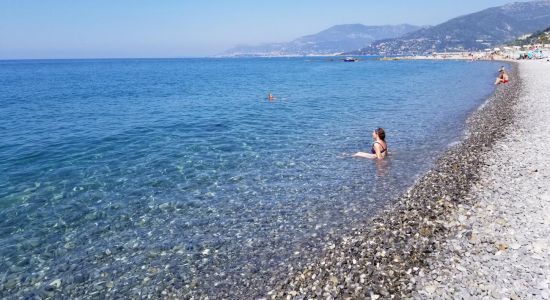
(131, 177)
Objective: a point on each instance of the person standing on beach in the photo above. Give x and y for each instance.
(379, 148)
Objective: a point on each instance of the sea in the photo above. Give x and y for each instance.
(154, 177)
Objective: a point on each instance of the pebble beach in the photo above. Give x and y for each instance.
(499, 244)
(476, 226)
(472, 224)
(178, 193)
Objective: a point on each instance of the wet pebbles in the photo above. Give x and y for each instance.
(499, 244)
(383, 258)
(145, 259)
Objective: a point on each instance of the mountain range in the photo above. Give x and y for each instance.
(485, 29)
(336, 39)
(480, 30)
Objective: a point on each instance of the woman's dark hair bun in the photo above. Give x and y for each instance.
(381, 133)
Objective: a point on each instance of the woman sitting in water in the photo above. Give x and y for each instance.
(502, 78)
(379, 148)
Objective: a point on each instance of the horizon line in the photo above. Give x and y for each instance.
(167, 57)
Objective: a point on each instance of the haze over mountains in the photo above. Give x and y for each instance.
(485, 29)
(336, 39)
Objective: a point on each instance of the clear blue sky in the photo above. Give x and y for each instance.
(171, 28)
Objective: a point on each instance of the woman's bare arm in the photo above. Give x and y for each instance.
(364, 155)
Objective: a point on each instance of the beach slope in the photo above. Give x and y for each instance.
(475, 225)
(499, 246)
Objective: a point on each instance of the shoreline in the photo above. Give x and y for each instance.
(499, 241)
(448, 58)
(122, 250)
(381, 258)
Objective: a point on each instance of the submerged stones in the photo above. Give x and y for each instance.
(502, 256)
(56, 283)
(156, 256)
(385, 255)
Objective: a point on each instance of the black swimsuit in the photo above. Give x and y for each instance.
(374, 152)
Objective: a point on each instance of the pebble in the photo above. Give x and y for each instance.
(56, 283)
(430, 289)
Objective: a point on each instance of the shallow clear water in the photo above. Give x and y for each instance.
(135, 176)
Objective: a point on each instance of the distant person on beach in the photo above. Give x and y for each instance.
(502, 77)
(379, 148)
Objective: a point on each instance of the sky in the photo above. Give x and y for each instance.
(186, 28)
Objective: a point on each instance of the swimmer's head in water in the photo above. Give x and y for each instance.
(380, 133)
